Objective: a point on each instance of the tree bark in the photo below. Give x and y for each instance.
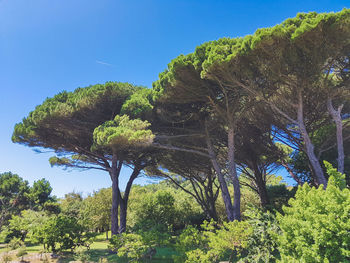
(223, 186)
(336, 116)
(233, 174)
(124, 200)
(309, 147)
(114, 173)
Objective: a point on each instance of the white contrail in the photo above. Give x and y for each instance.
(104, 63)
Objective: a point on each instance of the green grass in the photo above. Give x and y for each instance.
(99, 249)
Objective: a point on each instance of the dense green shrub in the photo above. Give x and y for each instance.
(316, 225)
(213, 243)
(189, 240)
(25, 225)
(131, 246)
(62, 232)
(262, 245)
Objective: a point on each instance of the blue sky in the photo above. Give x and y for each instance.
(47, 46)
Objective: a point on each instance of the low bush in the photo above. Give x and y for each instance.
(316, 225)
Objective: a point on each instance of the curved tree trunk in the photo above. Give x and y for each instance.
(223, 186)
(309, 147)
(124, 200)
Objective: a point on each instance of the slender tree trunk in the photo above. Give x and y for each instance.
(309, 147)
(124, 200)
(115, 171)
(107, 234)
(223, 186)
(233, 174)
(336, 116)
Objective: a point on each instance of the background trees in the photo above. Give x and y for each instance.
(13, 196)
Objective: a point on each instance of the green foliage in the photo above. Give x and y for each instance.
(279, 195)
(13, 196)
(40, 193)
(162, 206)
(26, 225)
(52, 207)
(139, 105)
(131, 246)
(213, 243)
(262, 245)
(72, 204)
(62, 232)
(335, 178)
(315, 227)
(189, 240)
(97, 209)
(122, 133)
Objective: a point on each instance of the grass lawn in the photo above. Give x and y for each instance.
(97, 250)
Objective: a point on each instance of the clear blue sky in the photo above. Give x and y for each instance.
(47, 46)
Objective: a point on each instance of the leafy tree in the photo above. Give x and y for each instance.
(71, 205)
(215, 109)
(162, 207)
(97, 209)
(26, 225)
(66, 123)
(315, 226)
(127, 141)
(62, 232)
(156, 209)
(13, 196)
(282, 66)
(40, 193)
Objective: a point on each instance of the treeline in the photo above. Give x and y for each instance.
(227, 115)
(156, 212)
(16, 195)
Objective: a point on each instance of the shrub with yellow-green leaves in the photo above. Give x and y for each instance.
(213, 243)
(316, 224)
